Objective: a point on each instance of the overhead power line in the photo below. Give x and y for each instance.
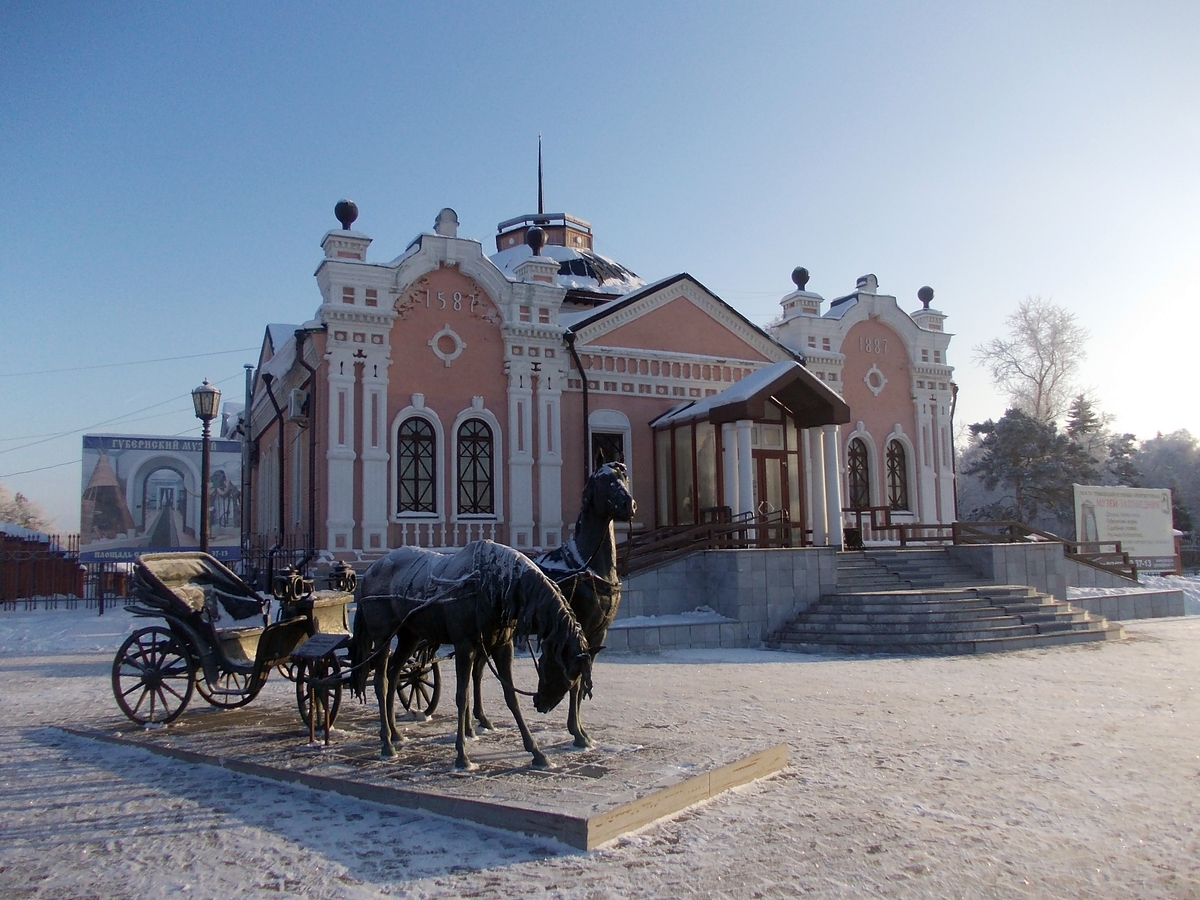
(136, 362)
(109, 421)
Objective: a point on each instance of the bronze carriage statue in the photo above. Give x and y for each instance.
(216, 639)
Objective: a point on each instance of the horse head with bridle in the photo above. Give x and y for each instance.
(585, 570)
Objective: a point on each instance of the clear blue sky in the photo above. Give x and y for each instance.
(167, 172)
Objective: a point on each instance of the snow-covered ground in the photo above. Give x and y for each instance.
(1070, 772)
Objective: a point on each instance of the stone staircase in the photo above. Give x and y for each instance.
(924, 602)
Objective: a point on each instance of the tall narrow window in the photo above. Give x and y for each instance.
(416, 467)
(897, 475)
(859, 474)
(475, 468)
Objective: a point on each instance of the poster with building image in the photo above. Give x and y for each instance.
(1140, 518)
(141, 494)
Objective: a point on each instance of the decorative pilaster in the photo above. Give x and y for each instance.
(340, 456)
(374, 443)
(549, 458)
(520, 456)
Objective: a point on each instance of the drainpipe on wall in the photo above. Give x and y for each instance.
(569, 337)
(268, 378)
(245, 522)
(311, 381)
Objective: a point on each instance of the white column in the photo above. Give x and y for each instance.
(375, 454)
(833, 485)
(549, 459)
(340, 455)
(745, 468)
(926, 450)
(729, 461)
(816, 487)
(520, 457)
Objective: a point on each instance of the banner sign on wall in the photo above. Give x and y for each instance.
(1140, 518)
(141, 494)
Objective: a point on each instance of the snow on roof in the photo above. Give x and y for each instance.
(25, 534)
(283, 345)
(571, 319)
(578, 269)
(738, 392)
(278, 333)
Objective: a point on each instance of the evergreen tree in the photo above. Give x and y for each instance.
(1173, 461)
(1120, 466)
(1034, 465)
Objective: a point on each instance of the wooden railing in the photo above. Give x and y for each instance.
(718, 530)
(1104, 555)
(874, 523)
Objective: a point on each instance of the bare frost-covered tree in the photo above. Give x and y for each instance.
(20, 510)
(1036, 364)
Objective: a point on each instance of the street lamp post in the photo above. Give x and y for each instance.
(205, 399)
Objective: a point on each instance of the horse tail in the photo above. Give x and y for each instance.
(361, 648)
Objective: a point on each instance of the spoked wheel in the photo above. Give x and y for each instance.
(231, 689)
(308, 671)
(419, 682)
(153, 676)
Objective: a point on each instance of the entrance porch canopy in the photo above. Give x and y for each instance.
(705, 454)
(811, 402)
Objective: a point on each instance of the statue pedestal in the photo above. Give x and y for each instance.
(634, 776)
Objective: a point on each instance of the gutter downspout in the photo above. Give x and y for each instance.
(569, 337)
(245, 518)
(311, 381)
(267, 379)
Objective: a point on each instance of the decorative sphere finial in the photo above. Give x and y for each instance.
(346, 212)
(536, 239)
(925, 295)
(799, 277)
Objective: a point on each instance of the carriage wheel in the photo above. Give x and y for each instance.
(153, 676)
(230, 690)
(419, 683)
(326, 667)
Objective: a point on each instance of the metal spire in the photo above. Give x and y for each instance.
(541, 205)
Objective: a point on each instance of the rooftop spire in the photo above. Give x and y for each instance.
(541, 204)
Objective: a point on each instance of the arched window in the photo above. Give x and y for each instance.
(897, 475)
(475, 468)
(416, 467)
(859, 474)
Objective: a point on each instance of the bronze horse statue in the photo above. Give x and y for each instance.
(585, 570)
(477, 599)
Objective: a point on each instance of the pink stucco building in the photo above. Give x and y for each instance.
(457, 392)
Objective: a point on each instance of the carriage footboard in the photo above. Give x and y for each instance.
(278, 641)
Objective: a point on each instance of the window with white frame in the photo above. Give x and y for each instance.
(416, 467)
(476, 468)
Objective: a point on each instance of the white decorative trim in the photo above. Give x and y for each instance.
(874, 471)
(874, 370)
(612, 420)
(459, 345)
(910, 466)
(699, 297)
(477, 411)
(421, 411)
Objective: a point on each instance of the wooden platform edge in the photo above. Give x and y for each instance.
(638, 813)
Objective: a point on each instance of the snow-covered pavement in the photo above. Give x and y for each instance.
(1068, 772)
